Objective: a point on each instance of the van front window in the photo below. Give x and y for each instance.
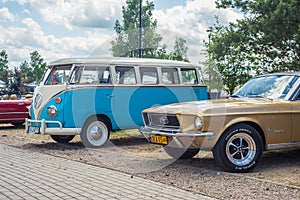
(59, 75)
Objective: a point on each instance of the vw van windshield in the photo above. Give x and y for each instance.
(272, 87)
(58, 75)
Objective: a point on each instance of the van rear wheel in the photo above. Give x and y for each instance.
(62, 138)
(95, 133)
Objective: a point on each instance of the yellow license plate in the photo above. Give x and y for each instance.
(159, 139)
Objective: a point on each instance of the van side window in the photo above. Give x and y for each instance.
(104, 75)
(189, 76)
(91, 75)
(148, 75)
(125, 75)
(170, 76)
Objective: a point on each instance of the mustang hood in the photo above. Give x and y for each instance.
(216, 107)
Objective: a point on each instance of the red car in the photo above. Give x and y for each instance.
(14, 111)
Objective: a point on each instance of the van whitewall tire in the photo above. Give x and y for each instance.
(95, 133)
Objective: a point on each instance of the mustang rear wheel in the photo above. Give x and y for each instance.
(181, 153)
(62, 138)
(95, 133)
(239, 149)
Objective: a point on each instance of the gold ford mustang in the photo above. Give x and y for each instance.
(262, 115)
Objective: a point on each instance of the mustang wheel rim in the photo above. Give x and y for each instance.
(241, 149)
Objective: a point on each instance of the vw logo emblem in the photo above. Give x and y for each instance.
(164, 120)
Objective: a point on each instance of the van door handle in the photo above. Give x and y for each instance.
(110, 96)
(20, 104)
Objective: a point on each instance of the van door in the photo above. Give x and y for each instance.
(89, 94)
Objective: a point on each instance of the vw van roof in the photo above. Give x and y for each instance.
(122, 61)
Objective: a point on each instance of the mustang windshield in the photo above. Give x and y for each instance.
(272, 87)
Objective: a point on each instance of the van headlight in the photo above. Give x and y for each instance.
(37, 100)
(52, 111)
(198, 123)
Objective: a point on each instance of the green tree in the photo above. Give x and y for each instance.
(4, 66)
(126, 43)
(180, 50)
(27, 72)
(270, 34)
(228, 58)
(266, 40)
(38, 65)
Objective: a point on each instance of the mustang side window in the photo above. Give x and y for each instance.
(125, 75)
(170, 76)
(189, 76)
(148, 75)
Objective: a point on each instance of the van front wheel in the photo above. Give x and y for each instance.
(95, 133)
(62, 138)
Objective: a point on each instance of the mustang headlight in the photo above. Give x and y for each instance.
(52, 111)
(198, 123)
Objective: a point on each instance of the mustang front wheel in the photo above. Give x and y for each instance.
(180, 153)
(239, 148)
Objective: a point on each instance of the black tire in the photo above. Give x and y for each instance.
(239, 149)
(18, 125)
(95, 133)
(181, 153)
(62, 138)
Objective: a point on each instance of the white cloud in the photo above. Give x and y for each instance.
(5, 15)
(191, 22)
(20, 41)
(82, 13)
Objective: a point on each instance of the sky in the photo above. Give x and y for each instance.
(81, 28)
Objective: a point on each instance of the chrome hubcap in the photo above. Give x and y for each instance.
(241, 149)
(96, 133)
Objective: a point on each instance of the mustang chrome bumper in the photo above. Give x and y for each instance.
(181, 140)
(147, 131)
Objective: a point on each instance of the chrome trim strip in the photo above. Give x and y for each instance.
(13, 113)
(12, 119)
(289, 145)
(166, 129)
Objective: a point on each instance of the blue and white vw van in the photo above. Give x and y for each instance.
(94, 96)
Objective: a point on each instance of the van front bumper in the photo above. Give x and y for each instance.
(40, 127)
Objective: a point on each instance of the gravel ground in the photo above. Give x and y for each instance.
(276, 177)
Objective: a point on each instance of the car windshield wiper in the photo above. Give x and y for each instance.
(255, 96)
